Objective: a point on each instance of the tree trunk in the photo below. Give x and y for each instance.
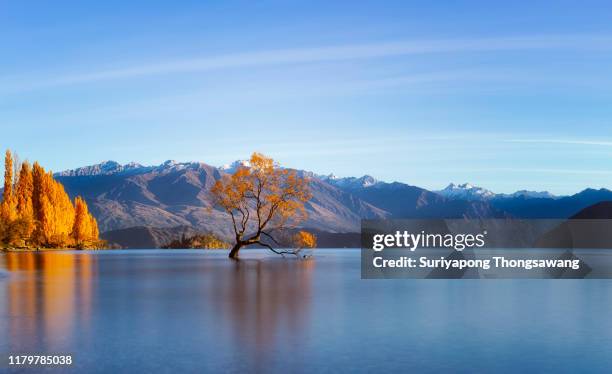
(234, 252)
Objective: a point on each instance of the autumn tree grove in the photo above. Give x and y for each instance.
(36, 211)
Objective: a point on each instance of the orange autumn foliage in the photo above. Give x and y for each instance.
(305, 239)
(7, 209)
(37, 212)
(23, 190)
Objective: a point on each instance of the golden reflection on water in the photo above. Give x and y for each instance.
(46, 294)
(257, 303)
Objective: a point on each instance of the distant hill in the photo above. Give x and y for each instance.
(602, 210)
(589, 228)
(146, 237)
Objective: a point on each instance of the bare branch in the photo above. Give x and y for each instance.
(270, 236)
(295, 253)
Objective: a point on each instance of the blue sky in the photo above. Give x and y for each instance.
(507, 96)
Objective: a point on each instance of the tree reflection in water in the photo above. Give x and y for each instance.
(49, 295)
(265, 303)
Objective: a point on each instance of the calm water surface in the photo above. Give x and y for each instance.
(194, 311)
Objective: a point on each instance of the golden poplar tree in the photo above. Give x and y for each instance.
(93, 226)
(8, 175)
(23, 226)
(80, 231)
(8, 199)
(23, 192)
(37, 201)
(85, 228)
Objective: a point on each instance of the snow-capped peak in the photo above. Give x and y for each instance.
(103, 168)
(367, 181)
(466, 191)
(351, 182)
(172, 165)
(231, 168)
(530, 195)
(113, 167)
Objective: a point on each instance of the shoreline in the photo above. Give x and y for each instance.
(26, 250)
(52, 249)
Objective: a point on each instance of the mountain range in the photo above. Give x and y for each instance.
(466, 191)
(177, 195)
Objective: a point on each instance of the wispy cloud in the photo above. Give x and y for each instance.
(562, 141)
(328, 53)
(529, 171)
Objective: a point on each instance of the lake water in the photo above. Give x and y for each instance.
(194, 311)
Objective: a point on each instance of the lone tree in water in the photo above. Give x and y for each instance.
(262, 198)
